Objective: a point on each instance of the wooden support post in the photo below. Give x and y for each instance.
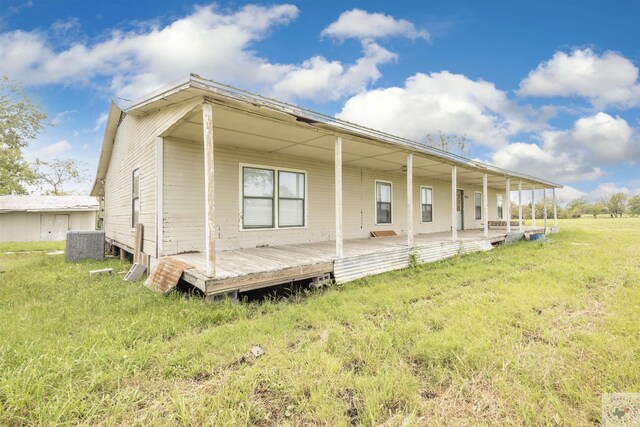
(209, 189)
(507, 196)
(544, 207)
(555, 210)
(454, 210)
(533, 205)
(410, 200)
(338, 191)
(159, 197)
(485, 204)
(520, 206)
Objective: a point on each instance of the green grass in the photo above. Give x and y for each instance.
(31, 246)
(532, 333)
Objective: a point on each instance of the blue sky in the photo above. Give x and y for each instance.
(547, 88)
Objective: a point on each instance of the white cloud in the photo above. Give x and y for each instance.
(533, 160)
(61, 116)
(210, 41)
(54, 150)
(607, 79)
(447, 102)
(568, 193)
(100, 121)
(606, 189)
(319, 79)
(599, 138)
(575, 154)
(359, 24)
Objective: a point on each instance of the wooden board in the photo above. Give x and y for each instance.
(137, 244)
(166, 275)
(383, 233)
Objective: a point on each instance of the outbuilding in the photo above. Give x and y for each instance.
(45, 218)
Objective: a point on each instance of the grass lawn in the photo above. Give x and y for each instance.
(532, 333)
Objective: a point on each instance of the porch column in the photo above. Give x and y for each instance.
(485, 205)
(555, 210)
(209, 197)
(544, 207)
(507, 194)
(520, 206)
(533, 205)
(454, 212)
(410, 200)
(338, 188)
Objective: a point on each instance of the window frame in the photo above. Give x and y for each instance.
(433, 217)
(276, 197)
(475, 206)
(375, 201)
(500, 206)
(135, 173)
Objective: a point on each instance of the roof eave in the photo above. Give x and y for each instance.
(113, 120)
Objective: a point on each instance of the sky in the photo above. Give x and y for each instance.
(545, 88)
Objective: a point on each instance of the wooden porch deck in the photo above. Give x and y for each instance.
(252, 268)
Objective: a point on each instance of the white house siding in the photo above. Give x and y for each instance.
(184, 218)
(25, 226)
(135, 147)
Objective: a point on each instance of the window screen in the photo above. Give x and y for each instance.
(258, 190)
(426, 202)
(383, 203)
(291, 199)
(135, 197)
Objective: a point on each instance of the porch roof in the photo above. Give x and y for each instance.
(194, 86)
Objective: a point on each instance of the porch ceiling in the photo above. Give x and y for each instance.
(236, 128)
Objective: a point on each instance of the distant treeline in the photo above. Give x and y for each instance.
(616, 205)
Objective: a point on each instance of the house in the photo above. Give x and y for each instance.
(248, 192)
(45, 218)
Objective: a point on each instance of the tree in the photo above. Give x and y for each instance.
(597, 208)
(634, 205)
(20, 122)
(53, 175)
(577, 207)
(450, 143)
(617, 204)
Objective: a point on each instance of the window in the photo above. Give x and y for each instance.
(258, 198)
(135, 197)
(499, 206)
(272, 198)
(291, 199)
(426, 203)
(383, 202)
(478, 205)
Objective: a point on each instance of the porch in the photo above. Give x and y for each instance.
(251, 268)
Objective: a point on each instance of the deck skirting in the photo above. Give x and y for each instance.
(356, 267)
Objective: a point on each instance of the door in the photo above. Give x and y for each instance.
(460, 208)
(53, 227)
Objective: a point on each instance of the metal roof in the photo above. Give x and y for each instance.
(48, 203)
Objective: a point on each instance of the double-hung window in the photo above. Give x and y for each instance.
(272, 198)
(499, 206)
(478, 205)
(383, 202)
(135, 197)
(426, 203)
